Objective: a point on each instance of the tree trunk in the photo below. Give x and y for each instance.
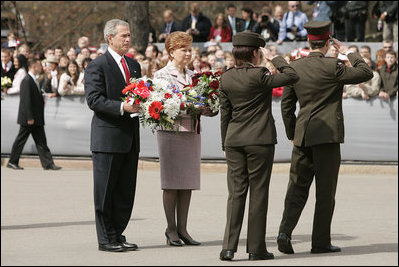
(137, 14)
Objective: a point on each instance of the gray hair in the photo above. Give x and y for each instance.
(110, 27)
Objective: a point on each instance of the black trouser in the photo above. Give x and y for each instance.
(322, 162)
(248, 167)
(355, 28)
(114, 190)
(39, 136)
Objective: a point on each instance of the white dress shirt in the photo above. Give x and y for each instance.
(9, 65)
(118, 59)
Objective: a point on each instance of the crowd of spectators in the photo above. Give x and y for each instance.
(64, 66)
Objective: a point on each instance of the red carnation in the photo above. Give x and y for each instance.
(213, 95)
(167, 96)
(182, 106)
(214, 85)
(155, 109)
(137, 101)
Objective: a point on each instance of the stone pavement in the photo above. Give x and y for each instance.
(47, 218)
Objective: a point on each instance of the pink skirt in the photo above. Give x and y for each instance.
(180, 159)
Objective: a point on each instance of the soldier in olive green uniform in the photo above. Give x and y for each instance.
(248, 139)
(316, 132)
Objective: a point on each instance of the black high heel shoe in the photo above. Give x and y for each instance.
(187, 241)
(171, 242)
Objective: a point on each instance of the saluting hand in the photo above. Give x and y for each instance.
(340, 46)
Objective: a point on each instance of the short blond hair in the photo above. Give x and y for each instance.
(177, 40)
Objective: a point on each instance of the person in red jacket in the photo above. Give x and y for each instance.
(221, 32)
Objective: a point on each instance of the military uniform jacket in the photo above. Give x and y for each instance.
(319, 93)
(245, 99)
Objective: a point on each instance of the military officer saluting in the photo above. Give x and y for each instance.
(248, 139)
(316, 132)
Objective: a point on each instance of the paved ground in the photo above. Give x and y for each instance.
(47, 218)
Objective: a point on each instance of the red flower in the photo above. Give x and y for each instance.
(167, 96)
(195, 81)
(137, 101)
(182, 106)
(129, 88)
(155, 109)
(214, 85)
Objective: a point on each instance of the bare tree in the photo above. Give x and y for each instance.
(137, 14)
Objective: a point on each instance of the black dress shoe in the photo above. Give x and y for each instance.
(284, 244)
(129, 246)
(263, 256)
(53, 167)
(226, 255)
(187, 241)
(14, 166)
(171, 242)
(111, 247)
(327, 249)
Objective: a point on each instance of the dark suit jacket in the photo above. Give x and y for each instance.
(31, 103)
(203, 26)
(240, 24)
(104, 82)
(175, 27)
(10, 73)
(246, 98)
(319, 93)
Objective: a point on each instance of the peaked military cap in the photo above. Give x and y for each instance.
(318, 30)
(248, 39)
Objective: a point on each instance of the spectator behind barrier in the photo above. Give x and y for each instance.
(229, 60)
(7, 67)
(51, 76)
(387, 44)
(71, 82)
(366, 89)
(236, 24)
(321, 10)
(386, 12)
(11, 42)
(83, 42)
(72, 54)
(58, 52)
(152, 52)
(354, 48)
(278, 13)
(389, 76)
(249, 22)
(380, 58)
(21, 64)
(267, 26)
(24, 50)
(169, 25)
(220, 32)
(196, 24)
(62, 65)
(291, 27)
(355, 13)
(205, 66)
(365, 52)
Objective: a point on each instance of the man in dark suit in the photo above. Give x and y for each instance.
(7, 66)
(196, 24)
(115, 140)
(316, 133)
(31, 120)
(169, 26)
(236, 24)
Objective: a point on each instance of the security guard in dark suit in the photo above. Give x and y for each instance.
(248, 139)
(316, 132)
